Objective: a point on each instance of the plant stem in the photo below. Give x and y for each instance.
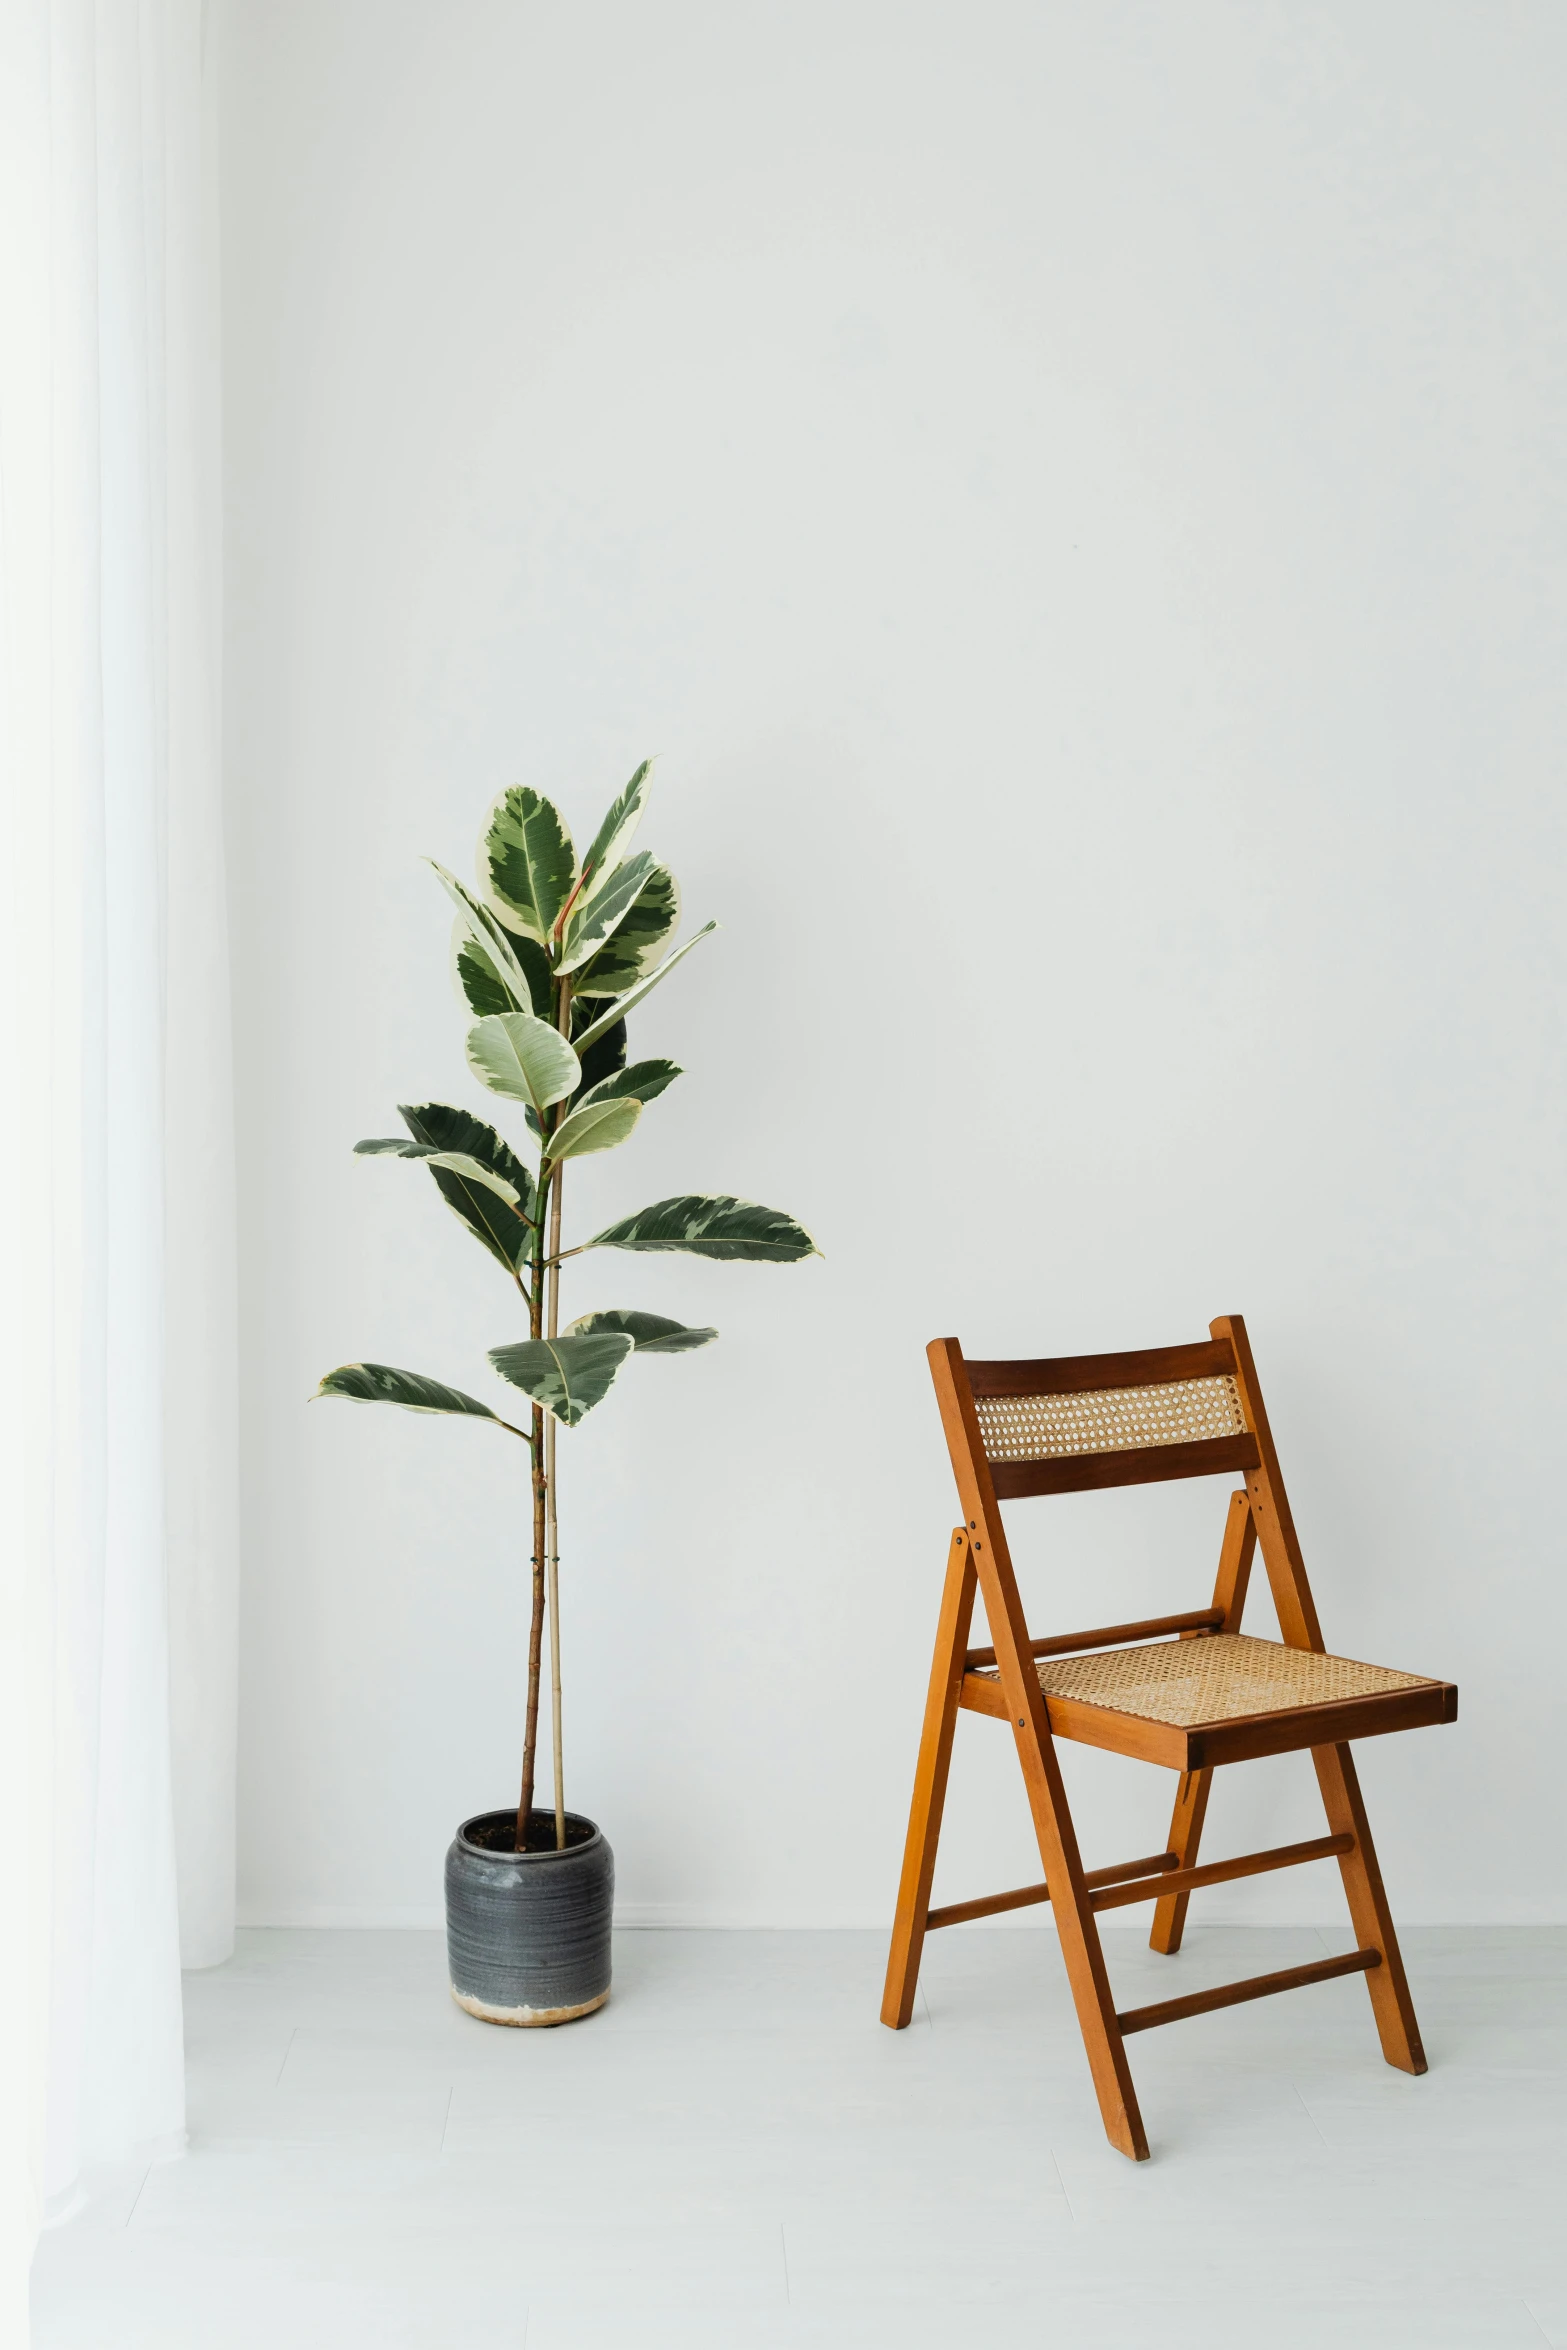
(553, 1543)
(530, 1729)
(553, 1558)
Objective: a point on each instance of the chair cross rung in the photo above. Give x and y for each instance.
(1219, 1872)
(1173, 2011)
(989, 1904)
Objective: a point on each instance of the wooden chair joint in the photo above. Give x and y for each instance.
(978, 1693)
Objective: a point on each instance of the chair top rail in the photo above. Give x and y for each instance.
(1153, 1366)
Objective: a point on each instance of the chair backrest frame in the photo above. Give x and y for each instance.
(983, 1483)
(1205, 1365)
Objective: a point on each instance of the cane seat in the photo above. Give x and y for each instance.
(1225, 1697)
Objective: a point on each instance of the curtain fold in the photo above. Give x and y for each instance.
(116, 1773)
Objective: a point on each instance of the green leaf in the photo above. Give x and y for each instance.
(644, 1081)
(567, 1375)
(478, 983)
(712, 1227)
(482, 986)
(523, 1058)
(634, 995)
(527, 861)
(503, 1230)
(605, 1055)
(379, 1383)
(593, 1126)
(457, 1162)
(614, 835)
(594, 920)
(492, 948)
(638, 941)
(650, 1334)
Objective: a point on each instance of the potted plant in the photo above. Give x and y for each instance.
(551, 955)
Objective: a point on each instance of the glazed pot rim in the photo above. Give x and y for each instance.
(533, 1859)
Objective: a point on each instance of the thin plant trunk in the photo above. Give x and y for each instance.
(544, 1321)
(553, 1557)
(530, 1727)
(552, 1324)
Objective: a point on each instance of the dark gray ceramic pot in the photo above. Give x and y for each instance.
(528, 1933)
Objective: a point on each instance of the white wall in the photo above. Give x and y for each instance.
(1075, 496)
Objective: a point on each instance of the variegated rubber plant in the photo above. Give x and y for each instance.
(550, 956)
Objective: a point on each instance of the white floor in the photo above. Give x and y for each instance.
(734, 2153)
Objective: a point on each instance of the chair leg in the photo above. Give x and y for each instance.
(1186, 1822)
(1080, 1948)
(1369, 1914)
(1191, 1801)
(930, 1785)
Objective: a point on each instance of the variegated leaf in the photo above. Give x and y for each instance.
(644, 1081)
(593, 921)
(567, 1375)
(527, 862)
(614, 835)
(524, 1058)
(712, 1227)
(379, 1383)
(394, 1146)
(481, 984)
(650, 1334)
(641, 938)
(593, 1126)
(605, 1055)
(644, 987)
(504, 1231)
(493, 947)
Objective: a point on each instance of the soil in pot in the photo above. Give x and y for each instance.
(496, 1831)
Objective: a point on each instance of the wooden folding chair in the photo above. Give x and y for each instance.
(1210, 1696)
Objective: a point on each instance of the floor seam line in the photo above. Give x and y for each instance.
(147, 2174)
(1055, 2164)
(1310, 2116)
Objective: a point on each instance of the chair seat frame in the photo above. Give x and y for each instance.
(1002, 1683)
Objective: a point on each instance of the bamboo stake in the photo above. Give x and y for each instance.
(541, 1489)
(553, 1557)
(530, 1727)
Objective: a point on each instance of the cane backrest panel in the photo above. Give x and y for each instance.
(1108, 1419)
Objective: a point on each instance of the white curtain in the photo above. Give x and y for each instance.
(118, 1427)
